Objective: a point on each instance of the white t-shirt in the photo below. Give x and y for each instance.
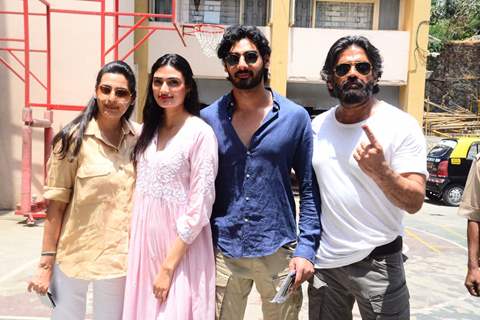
(356, 215)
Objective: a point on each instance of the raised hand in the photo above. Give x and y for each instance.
(370, 156)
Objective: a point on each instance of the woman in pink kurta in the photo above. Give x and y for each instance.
(171, 268)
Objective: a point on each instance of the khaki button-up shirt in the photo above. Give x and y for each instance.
(470, 205)
(98, 186)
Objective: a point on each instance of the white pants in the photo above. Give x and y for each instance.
(70, 296)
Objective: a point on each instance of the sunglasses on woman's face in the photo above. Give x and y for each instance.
(120, 93)
(363, 68)
(232, 59)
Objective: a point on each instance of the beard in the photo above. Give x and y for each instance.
(245, 84)
(353, 91)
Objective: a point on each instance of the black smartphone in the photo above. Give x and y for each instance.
(47, 300)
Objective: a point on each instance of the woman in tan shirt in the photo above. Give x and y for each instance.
(89, 188)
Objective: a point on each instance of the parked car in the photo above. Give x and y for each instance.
(448, 164)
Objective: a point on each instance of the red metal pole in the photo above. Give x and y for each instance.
(116, 22)
(26, 193)
(138, 44)
(12, 39)
(26, 53)
(126, 34)
(174, 11)
(31, 73)
(102, 33)
(111, 14)
(22, 50)
(21, 13)
(48, 114)
(11, 69)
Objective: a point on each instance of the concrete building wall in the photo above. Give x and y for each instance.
(305, 64)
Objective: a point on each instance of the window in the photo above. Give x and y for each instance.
(343, 15)
(228, 12)
(161, 7)
(443, 148)
(347, 14)
(473, 151)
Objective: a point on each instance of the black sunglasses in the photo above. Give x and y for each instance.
(119, 92)
(363, 68)
(232, 59)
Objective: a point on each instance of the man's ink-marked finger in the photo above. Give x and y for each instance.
(369, 134)
(356, 156)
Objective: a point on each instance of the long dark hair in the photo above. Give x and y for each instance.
(345, 42)
(71, 136)
(153, 114)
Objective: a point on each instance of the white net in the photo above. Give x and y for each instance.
(209, 37)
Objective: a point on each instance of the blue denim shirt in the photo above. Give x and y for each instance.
(254, 211)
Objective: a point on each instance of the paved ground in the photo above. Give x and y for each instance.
(435, 268)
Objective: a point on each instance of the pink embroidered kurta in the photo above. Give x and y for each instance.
(174, 194)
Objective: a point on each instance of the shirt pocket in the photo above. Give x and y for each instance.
(94, 183)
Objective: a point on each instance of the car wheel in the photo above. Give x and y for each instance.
(452, 195)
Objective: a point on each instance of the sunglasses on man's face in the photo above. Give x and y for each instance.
(120, 93)
(363, 68)
(250, 57)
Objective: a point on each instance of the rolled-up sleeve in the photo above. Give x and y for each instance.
(470, 205)
(60, 178)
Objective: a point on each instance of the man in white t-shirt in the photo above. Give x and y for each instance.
(370, 162)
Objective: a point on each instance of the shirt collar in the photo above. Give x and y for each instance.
(93, 129)
(231, 101)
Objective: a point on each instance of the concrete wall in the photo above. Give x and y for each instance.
(75, 63)
(309, 48)
(456, 75)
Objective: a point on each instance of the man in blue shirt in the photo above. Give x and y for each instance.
(261, 137)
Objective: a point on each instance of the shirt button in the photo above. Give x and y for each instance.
(248, 176)
(248, 153)
(246, 219)
(247, 198)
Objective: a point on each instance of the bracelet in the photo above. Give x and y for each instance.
(48, 253)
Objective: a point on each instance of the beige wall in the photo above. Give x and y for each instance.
(75, 62)
(309, 48)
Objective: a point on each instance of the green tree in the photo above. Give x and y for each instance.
(453, 20)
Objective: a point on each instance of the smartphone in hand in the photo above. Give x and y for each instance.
(47, 300)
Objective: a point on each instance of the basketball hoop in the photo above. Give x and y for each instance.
(208, 36)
